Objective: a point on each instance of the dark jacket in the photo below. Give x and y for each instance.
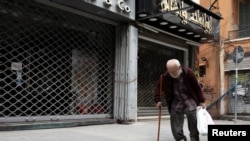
(195, 90)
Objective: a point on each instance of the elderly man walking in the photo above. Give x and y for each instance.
(183, 94)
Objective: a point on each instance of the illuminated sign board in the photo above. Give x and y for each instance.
(181, 17)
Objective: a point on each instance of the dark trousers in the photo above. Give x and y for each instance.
(177, 122)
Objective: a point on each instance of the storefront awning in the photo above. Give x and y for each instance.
(183, 18)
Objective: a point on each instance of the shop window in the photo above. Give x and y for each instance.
(202, 70)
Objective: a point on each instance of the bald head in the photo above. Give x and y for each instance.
(174, 68)
(173, 63)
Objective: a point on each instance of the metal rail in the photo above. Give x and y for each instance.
(219, 98)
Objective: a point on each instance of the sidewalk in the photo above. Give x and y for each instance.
(143, 130)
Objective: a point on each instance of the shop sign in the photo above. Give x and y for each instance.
(198, 17)
(112, 9)
(180, 17)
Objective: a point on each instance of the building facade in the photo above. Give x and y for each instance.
(89, 59)
(218, 68)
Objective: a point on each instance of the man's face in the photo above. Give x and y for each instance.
(174, 71)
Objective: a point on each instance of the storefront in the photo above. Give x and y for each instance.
(241, 69)
(169, 29)
(64, 60)
(93, 59)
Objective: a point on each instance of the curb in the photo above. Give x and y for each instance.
(238, 117)
(57, 124)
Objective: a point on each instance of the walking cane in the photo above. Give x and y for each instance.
(159, 116)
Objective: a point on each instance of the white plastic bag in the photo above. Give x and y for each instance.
(203, 120)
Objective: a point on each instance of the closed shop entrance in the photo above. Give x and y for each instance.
(54, 64)
(153, 55)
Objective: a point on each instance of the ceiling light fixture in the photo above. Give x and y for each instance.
(163, 23)
(182, 30)
(197, 36)
(173, 26)
(190, 33)
(143, 15)
(153, 19)
(204, 38)
(209, 41)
